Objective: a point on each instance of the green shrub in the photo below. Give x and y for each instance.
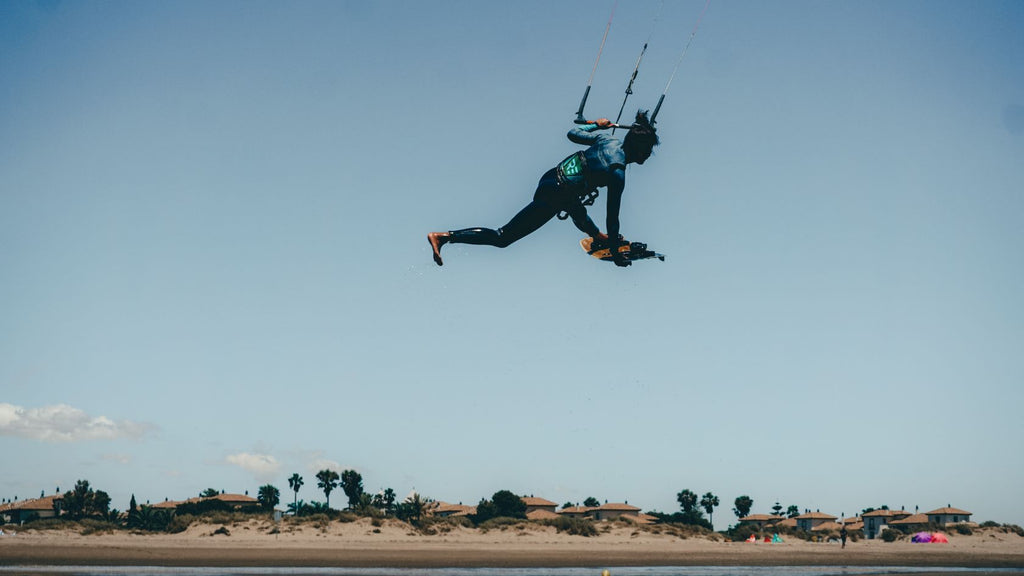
(574, 526)
(964, 529)
(742, 532)
(891, 535)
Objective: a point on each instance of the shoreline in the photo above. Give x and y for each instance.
(363, 545)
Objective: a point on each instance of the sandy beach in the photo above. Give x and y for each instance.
(392, 544)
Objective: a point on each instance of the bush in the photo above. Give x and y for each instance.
(891, 535)
(964, 529)
(574, 526)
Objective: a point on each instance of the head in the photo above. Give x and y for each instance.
(640, 140)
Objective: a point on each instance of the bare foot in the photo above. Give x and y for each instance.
(437, 239)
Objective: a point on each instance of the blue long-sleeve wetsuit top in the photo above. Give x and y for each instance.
(601, 165)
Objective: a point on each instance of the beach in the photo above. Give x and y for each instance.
(258, 543)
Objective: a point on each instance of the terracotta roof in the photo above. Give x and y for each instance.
(541, 515)
(912, 519)
(816, 516)
(235, 498)
(948, 510)
(531, 501)
(44, 503)
(453, 509)
(618, 507)
(761, 518)
(855, 525)
(790, 522)
(826, 526)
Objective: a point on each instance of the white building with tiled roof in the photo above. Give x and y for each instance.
(808, 521)
(611, 511)
(19, 511)
(533, 504)
(948, 515)
(876, 520)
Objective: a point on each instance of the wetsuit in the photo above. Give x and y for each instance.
(602, 165)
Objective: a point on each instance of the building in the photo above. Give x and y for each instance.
(876, 520)
(912, 522)
(948, 515)
(575, 512)
(761, 520)
(534, 504)
(810, 520)
(614, 510)
(21, 511)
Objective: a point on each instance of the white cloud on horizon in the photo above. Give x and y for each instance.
(63, 423)
(263, 466)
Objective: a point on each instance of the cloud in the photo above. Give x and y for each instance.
(63, 423)
(319, 464)
(263, 466)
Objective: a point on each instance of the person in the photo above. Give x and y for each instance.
(564, 187)
(843, 534)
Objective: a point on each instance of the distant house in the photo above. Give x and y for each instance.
(541, 514)
(875, 521)
(912, 522)
(233, 501)
(808, 521)
(23, 510)
(853, 524)
(787, 523)
(534, 504)
(830, 526)
(948, 515)
(614, 510)
(446, 510)
(761, 520)
(575, 512)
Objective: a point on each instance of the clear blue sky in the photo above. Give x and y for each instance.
(214, 272)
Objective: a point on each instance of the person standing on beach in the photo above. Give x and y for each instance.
(842, 535)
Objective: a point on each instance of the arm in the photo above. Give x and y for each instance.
(616, 184)
(584, 133)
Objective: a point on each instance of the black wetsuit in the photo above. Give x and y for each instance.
(560, 189)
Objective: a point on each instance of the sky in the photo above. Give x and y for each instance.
(214, 270)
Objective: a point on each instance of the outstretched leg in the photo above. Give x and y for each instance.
(527, 221)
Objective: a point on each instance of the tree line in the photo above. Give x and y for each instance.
(83, 501)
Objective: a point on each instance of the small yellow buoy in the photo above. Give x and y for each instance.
(606, 573)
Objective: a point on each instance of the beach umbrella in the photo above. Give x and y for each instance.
(940, 538)
(922, 537)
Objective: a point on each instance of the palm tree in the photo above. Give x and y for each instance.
(327, 480)
(269, 496)
(708, 502)
(295, 482)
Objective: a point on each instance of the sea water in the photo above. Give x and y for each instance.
(617, 571)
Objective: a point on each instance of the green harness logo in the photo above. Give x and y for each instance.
(572, 167)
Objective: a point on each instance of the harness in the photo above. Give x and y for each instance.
(571, 174)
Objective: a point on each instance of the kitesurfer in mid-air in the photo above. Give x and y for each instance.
(563, 188)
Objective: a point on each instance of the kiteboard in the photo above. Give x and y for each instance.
(632, 251)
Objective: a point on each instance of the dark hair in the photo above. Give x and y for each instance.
(642, 133)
